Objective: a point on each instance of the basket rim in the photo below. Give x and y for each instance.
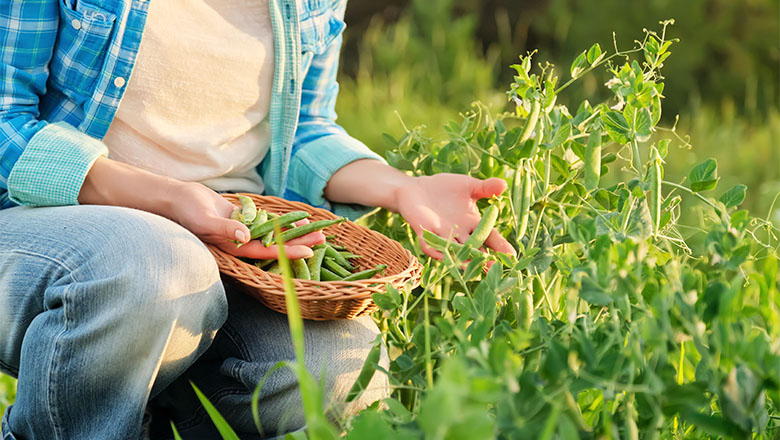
(411, 273)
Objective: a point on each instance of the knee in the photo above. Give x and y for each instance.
(341, 359)
(151, 269)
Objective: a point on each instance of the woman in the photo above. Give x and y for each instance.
(102, 307)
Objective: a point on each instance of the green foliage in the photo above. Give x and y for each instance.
(611, 322)
(7, 391)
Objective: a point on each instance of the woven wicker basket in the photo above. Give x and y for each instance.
(327, 300)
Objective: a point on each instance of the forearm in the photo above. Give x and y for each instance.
(367, 182)
(114, 183)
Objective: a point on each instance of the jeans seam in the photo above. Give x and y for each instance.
(233, 335)
(56, 261)
(14, 371)
(53, 366)
(51, 397)
(200, 412)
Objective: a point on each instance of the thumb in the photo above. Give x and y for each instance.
(231, 229)
(481, 189)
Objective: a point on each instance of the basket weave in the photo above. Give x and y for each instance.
(326, 300)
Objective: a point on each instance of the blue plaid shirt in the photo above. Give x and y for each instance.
(65, 64)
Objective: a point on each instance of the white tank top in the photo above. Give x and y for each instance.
(196, 105)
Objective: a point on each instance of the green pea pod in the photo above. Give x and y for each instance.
(301, 269)
(275, 268)
(522, 191)
(248, 209)
(366, 373)
(484, 227)
(530, 123)
(363, 275)
(335, 267)
(300, 231)
(525, 302)
(656, 197)
(440, 243)
(284, 220)
(593, 161)
(268, 239)
(315, 263)
(348, 255)
(330, 251)
(328, 275)
(264, 263)
(260, 218)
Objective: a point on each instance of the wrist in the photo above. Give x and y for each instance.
(109, 182)
(368, 182)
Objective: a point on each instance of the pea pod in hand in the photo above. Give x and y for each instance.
(484, 228)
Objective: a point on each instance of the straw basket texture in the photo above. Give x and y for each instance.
(329, 300)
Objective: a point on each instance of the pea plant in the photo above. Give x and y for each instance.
(615, 320)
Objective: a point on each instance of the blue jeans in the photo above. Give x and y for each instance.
(107, 314)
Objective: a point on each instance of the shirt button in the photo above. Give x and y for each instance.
(119, 81)
(76, 23)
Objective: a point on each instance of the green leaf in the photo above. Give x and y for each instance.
(369, 424)
(560, 165)
(740, 219)
(641, 123)
(176, 435)
(593, 293)
(367, 372)
(734, 197)
(543, 259)
(663, 147)
(389, 300)
(578, 66)
(640, 224)
(704, 176)
(561, 135)
(224, 429)
(594, 54)
(617, 127)
(652, 45)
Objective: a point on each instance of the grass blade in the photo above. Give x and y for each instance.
(224, 429)
(176, 435)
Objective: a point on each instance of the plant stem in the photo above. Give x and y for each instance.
(637, 158)
(428, 360)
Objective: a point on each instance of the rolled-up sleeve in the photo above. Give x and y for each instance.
(41, 164)
(321, 147)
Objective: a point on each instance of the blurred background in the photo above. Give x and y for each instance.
(428, 60)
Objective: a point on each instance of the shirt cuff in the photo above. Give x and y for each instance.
(53, 166)
(312, 166)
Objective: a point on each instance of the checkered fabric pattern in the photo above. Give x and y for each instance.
(64, 66)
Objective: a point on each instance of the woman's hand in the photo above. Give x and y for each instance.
(446, 204)
(207, 215)
(194, 206)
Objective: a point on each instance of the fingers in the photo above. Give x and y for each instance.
(429, 251)
(231, 229)
(481, 189)
(311, 239)
(498, 243)
(255, 249)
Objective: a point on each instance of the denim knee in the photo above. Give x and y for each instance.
(162, 280)
(335, 352)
